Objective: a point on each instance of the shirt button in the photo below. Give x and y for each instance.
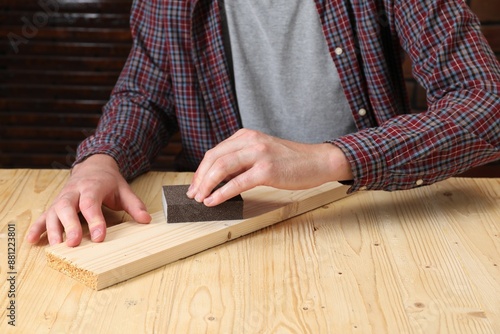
(362, 112)
(338, 51)
(419, 182)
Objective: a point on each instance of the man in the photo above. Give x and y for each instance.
(316, 86)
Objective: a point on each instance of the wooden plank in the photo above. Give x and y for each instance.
(132, 249)
(492, 34)
(92, 20)
(72, 6)
(30, 118)
(490, 170)
(55, 91)
(59, 78)
(486, 10)
(71, 49)
(63, 106)
(61, 63)
(38, 160)
(16, 146)
(64, 34)
(46, 132)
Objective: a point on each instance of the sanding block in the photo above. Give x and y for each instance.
(178, 208)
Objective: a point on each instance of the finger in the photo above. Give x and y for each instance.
(66, 210)
(54, 228)
(241, 183)
(234, 143)
(133, 205)
(37, 229)
(91, 209)
(230, 164)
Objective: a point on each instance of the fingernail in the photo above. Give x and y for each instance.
(71, 235)
(29, 236)
(208, 200)
(54, 241)
(198, 198)
(190, 191)
(96, 234)
(147, 217)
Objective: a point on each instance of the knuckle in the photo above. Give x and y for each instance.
(266, 167)
(87, 202)
(240, 182)
(243, 131)
(222, 163)
(54, 228)
(89, 185)
(208, 154)
(62, 204)
(261, 148)
(251, 134)
(53, 231)
(265, 173)
(41, 219)
(93, 224)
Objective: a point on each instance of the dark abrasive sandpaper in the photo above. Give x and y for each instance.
(179, 208)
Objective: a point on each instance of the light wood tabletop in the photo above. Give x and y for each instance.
(420, 261)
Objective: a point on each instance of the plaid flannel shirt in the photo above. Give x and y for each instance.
(177, 79)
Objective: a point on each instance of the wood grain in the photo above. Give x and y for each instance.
(132, 249)
(420, 261)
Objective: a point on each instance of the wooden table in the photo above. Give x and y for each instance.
(419, 261)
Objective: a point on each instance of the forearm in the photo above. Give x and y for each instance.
(139, 118)
(131, 134)
(461, 129)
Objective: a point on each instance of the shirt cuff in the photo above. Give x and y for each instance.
(96, 145)
(366, 152)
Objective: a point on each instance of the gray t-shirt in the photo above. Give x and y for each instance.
(285, 80)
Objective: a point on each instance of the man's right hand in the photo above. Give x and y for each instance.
(94, 182)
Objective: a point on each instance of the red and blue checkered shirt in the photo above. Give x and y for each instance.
(177, 78)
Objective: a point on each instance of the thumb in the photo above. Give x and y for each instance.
(133, 205)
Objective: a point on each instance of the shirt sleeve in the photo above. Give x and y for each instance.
(460, 130)
(139, 118)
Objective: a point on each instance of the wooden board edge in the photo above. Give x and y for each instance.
(81, 275)
(196, 245)
(219, 237)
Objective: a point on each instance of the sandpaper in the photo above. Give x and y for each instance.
(178, 208)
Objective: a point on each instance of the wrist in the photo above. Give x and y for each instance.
(338, 163)
(100, 161)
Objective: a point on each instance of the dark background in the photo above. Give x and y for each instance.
(59, 60)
